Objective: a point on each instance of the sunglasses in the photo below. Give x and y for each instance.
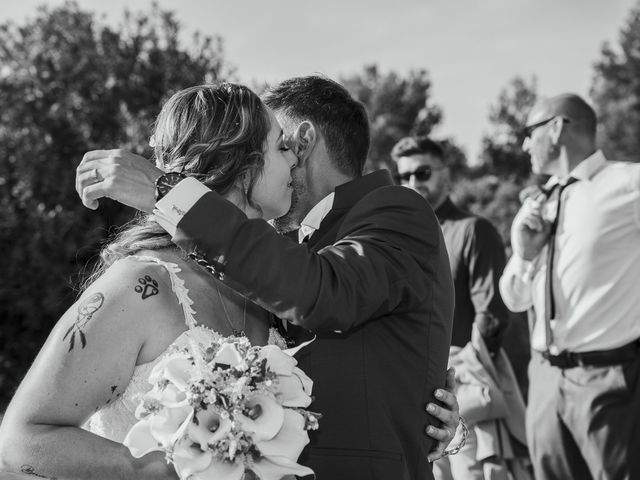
(528, 129)
(422, 174)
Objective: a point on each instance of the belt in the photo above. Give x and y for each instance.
(598, 358)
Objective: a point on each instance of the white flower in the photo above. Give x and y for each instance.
(214, 423)
(158, 432)
(175, 368)
(266, 419)
(211, 427)
(289, 441)
(295, 389)
(277, 361)
(228, 355)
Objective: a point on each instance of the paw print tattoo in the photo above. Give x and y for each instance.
(86, 311)
(148, 287)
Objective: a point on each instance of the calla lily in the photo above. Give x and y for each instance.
(170, 396)
(159, 430)
(268, 421)
(175, 368)
(290, 440)
(179, 371)
(228, 355)
(307, 383)
(218, 470)
(140, 441)
(275, 467)
(190, 459)
(211, 427)
(291, 392)
(277, 361)
(168, 423)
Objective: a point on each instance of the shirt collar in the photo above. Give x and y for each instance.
(585, 170)
(314, 218)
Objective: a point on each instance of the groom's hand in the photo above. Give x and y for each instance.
(449, 416)
(117, 174)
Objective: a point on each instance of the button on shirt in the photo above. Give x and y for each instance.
(596, 265)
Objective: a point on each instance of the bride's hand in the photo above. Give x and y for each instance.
(449, 415)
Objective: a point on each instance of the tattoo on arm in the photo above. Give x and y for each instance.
(29, 470)
(148, 287)
(86, 310)
(112, 397)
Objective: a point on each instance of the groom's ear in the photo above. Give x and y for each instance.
(304, 140)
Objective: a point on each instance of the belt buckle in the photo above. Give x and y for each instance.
(555, 360)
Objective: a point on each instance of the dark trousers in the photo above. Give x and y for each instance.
(583, 422)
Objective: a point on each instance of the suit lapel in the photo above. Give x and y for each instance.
(346, 196)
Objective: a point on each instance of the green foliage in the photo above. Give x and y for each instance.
(502, 153)
(397, 107)
(69, 84)
(492, 198)
(616, 93)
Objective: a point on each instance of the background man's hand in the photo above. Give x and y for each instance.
(449, 416)
(529, 231)
(117, 174)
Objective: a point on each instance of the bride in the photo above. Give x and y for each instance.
(76, 403)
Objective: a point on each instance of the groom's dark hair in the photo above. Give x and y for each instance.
(341, 119)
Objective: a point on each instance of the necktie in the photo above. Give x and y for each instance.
(550, 310)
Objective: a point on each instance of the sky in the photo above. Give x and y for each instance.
(471, 48)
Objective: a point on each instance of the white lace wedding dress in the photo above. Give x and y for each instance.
(116, 419)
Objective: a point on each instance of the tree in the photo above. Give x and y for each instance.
(68, 84)
(397, 107)
(502, 153)
(616, 93)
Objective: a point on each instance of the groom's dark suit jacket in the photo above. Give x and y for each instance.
(374, 285)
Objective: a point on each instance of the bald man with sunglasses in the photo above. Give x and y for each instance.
(576, 268)
(477, 258)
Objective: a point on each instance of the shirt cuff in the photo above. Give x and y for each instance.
(521, 267)
(174, 205)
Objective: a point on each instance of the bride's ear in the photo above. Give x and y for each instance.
(304, 140)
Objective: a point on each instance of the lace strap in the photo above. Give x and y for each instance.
(177, 285)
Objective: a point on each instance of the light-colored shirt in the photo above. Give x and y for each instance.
(314, 218)
(174, 205)
(596, 265)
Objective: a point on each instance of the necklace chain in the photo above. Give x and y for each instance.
(234, 330)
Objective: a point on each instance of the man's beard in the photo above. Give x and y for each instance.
(290, 221)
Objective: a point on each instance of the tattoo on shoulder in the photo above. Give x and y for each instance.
(86, 310)
(148, 287)
(29, 470)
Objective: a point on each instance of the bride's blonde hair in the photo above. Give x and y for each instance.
(215, 133)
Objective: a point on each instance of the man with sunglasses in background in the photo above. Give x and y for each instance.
(576, 267)
(477, 259)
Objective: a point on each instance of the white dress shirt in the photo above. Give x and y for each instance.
(314, 218)
(174, 205)
(596, 265)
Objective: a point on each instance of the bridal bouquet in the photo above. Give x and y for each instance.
(221, 410)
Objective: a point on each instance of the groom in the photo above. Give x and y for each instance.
(372, 282)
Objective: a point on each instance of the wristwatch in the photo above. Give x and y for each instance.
(165, 182)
